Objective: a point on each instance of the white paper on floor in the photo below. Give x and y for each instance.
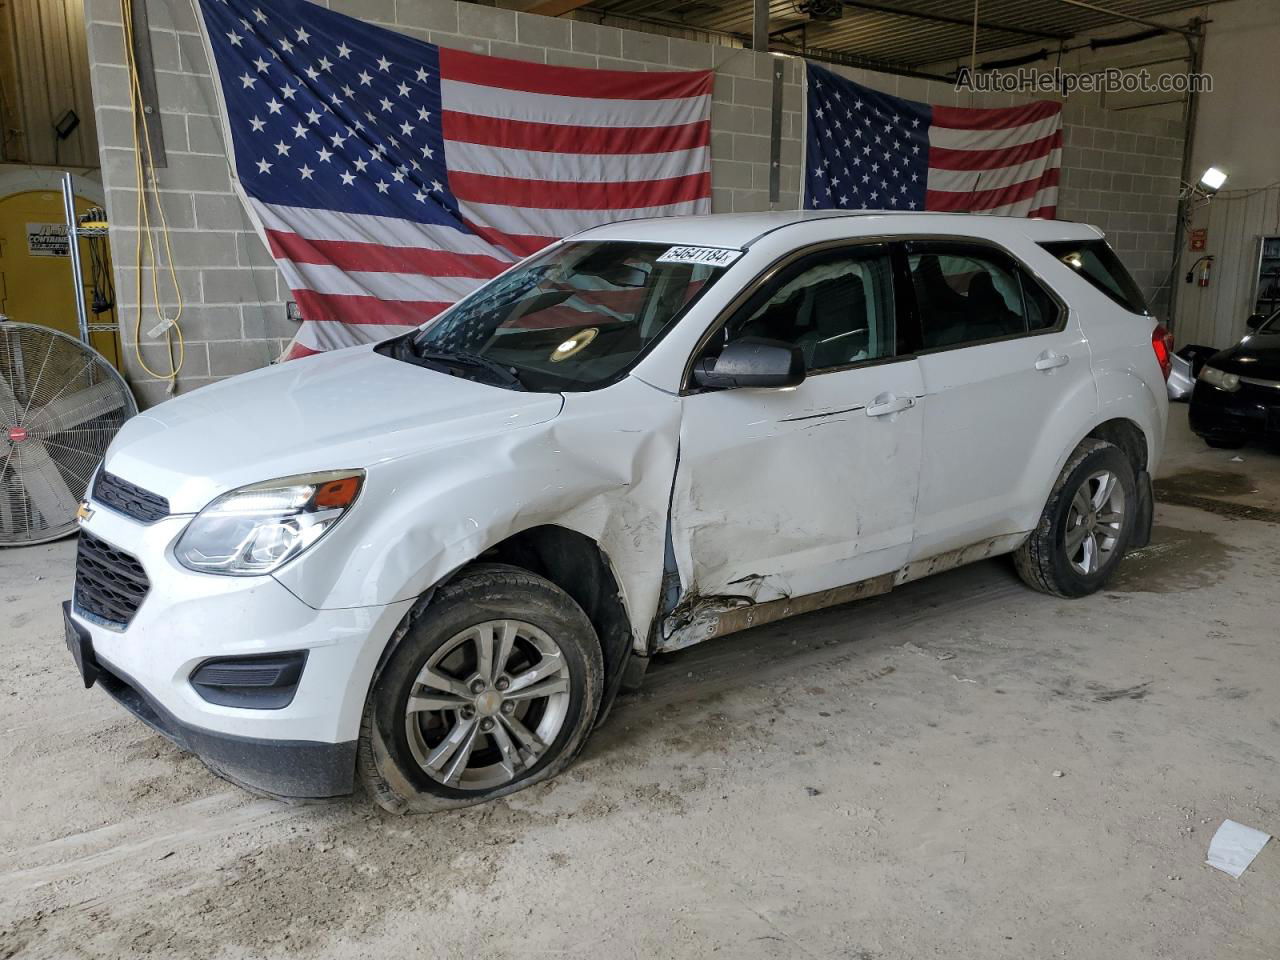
(1234, 846)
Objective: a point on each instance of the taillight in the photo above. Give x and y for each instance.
(1162, 344)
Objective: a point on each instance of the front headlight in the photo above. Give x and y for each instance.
(1229, 382)
(255, 529)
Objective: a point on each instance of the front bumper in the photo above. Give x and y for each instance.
(1252, 412)
(281, 768)
(305, 748)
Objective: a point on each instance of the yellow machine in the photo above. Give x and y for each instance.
(35, 269)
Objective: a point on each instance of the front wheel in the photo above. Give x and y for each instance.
(1086, 525)
(492, 689)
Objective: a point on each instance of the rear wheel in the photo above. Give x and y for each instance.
(492, 689)
(1086, 525)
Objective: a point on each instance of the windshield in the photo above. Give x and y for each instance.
(574, 318)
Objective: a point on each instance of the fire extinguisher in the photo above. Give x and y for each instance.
(1202, 278)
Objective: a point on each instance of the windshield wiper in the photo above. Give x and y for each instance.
(442, 355)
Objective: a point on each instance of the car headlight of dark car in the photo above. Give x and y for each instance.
(1228, 382)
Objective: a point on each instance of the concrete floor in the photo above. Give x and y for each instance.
(875, 781)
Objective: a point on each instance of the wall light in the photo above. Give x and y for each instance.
(1211, 180)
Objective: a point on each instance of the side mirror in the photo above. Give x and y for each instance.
(1255, 321)
(751, 362)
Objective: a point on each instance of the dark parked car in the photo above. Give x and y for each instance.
(1237, 394)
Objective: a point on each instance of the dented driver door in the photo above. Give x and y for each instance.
(781, 493)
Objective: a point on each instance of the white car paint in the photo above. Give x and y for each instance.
(757, 495)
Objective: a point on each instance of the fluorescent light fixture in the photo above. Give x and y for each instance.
(1212, 180)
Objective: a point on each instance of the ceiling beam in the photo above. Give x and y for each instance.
(556, 8)
(1105, 11)
(954, 21)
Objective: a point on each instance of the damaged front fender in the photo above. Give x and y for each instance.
(602, 468)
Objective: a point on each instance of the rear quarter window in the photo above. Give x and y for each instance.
(1096, 262)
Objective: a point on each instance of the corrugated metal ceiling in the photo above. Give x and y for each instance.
(885, 31)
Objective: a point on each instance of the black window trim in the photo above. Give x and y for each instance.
(1023, 269)
(909, 330)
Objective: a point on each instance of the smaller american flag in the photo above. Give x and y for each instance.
(867, 150)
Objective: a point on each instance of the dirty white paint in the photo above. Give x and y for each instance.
(788, 496)
(787, 492)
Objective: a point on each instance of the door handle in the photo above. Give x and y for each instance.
(887, 403)
(1050, 360)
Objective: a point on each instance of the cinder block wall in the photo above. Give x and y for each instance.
(1121, 171)
(233, 314)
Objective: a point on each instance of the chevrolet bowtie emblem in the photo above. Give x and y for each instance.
(84, 512)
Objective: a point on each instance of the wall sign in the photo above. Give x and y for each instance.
(47, 240)
(1197, 239)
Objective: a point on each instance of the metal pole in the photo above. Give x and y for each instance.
(1185, 204)
(973, 52)
(775, 133)
(760, 25)
(73, 251)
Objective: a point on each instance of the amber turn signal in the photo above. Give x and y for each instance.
(337, 493)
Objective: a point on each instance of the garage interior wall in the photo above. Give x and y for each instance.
(1238, 130)
(1120, 168)
(44, 72)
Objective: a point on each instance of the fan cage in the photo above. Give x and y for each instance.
(61, 403)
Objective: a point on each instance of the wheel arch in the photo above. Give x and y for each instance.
(1128, 436)
(580, 567)
(576, 564)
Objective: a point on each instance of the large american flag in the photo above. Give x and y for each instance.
(867, 150)
(391, 177)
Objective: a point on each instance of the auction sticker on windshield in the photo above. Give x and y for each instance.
(708, 256)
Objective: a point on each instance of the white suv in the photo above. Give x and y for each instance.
(429, 564)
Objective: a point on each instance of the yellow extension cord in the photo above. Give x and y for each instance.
(145, 176)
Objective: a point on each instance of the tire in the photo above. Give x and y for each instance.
(1220, 443)
(1055, 559)
(438, 757)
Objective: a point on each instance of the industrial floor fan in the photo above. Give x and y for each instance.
(60, 405)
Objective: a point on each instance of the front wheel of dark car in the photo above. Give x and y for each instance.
(1086, 526)
(1224, 443)
(492, 689)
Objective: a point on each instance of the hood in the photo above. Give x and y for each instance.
(349, 408)
(1257, 356)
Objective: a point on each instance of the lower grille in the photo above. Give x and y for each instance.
(110, 584)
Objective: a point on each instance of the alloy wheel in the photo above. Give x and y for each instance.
(487, 705)
(1094, 522)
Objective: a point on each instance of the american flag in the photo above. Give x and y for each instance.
(391, 177)
(867, 150)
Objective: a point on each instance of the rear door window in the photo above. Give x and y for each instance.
(970, 294)
(1097, 262)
